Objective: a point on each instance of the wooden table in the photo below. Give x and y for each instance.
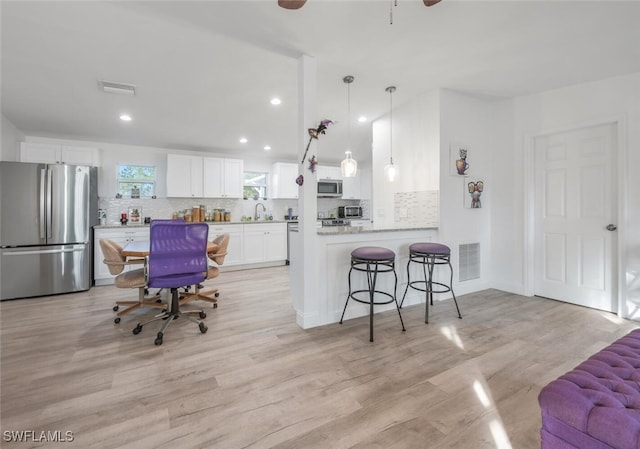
(141, 248)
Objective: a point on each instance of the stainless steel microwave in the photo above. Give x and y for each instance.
(349, 212)
(330, 188)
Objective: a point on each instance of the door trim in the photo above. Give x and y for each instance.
(620, 155)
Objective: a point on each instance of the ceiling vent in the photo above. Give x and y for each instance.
(117, 88)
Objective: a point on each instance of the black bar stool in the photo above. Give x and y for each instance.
(429, 255)
(373, 260)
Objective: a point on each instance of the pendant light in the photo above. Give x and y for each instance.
(349, 166)
(391, 170)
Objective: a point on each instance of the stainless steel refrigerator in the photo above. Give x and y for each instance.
(46, 229)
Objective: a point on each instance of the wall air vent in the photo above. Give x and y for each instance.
(117, 88)
(468, 261)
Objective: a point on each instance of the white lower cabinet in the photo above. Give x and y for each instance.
(122, 237)
(234, 252)
(360, 222)
(265, 242)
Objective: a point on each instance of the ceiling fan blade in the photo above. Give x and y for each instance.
(430, 2)
(291, 4)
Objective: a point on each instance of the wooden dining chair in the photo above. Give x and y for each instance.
(217, 256)
(116, 264)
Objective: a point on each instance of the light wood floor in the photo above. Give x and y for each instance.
(256, 380)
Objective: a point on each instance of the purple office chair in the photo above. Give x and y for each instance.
(177, 257)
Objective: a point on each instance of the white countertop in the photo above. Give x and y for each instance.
(215, 223)
(338, 230)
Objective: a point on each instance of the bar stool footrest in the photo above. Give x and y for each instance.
(446, 288)
(368, 300)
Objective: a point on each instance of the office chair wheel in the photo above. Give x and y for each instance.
(117, 320)
(136, 330)
(115, 308)
(203, 328)
(217, 294)
(158, 340)
(215, 305)
(202, 315)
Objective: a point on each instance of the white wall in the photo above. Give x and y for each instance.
(518, 120)
(11, 137)
(466, 120)
(416, 138)
(422, 134)
(507, 192)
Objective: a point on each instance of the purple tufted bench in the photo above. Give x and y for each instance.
(597, 404)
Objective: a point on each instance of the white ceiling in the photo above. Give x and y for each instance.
(205, 70)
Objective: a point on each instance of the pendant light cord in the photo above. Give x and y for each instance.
(393, 3)
(349, 116)
(391, 126)
(391, 89)
(348, 80)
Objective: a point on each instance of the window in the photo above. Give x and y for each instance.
(132, 177)
(255, 185)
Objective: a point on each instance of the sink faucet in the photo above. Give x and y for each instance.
(257, 215)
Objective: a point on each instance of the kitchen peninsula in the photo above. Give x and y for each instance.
(333, 246)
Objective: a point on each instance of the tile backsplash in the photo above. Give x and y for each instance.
(164, 207)
(417, 208)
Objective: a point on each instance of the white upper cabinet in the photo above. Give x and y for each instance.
(351, 188)
(184, 176)
(283, 181)
(47, 153)
(233, 178)
(326, 172)
(222, 177)
(203, 177)
(213, 186)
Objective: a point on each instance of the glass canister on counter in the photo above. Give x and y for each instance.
(227, 216)
(199, 213)
(216, 215)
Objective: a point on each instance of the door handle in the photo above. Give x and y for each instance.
(611, 227)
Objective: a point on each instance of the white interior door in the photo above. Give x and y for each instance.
(575, 202)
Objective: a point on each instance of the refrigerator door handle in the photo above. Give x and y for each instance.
(43, 199)
(49, 201)
(77, 249)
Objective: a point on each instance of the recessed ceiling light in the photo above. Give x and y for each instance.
(362, 119)
(125, 117)
(243, 140)
(276, 101)
(267, 147)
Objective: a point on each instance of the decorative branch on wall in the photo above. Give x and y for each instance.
(473, 192)
(458, 157)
